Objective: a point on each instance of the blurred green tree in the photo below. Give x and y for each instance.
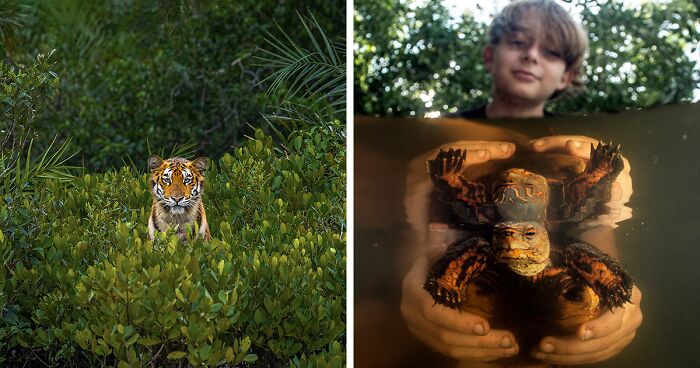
(141, 75)
(413, 58)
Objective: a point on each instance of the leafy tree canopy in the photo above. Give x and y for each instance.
(138, 76)
(412, 58)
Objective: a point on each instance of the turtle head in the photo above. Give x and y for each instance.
(520, 194)
(523, 246)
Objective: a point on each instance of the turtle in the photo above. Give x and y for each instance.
(569, 188)
(518, 281)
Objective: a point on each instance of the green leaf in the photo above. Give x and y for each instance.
(215, 308)
(222, 296)
(149, 341)
(175, 355)
(132, 339)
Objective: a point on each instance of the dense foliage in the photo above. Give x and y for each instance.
(81, 284)
(24, 92)
(140, 75)
(414, 57)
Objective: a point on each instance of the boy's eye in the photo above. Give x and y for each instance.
(552, 53)
(517, 43)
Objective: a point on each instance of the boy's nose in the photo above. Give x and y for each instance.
(530, 54)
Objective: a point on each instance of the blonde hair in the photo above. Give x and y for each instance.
(563, 33)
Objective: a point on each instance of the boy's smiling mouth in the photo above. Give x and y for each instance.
(525, 75)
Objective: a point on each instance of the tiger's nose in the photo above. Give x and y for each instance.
(177, 199)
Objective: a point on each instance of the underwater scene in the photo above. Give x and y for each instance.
(518, 223)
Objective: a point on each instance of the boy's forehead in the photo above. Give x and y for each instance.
(533, 29)
(530, 24)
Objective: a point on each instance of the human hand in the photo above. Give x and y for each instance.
(596, 340)
(456, 334)
(580, 146)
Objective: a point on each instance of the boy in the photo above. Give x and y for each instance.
(535, 54)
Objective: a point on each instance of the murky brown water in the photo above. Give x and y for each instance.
(659, 245)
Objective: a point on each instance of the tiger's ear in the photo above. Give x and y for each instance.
(154, 162)
(200, 163)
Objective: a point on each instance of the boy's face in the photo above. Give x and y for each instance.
(524, 66)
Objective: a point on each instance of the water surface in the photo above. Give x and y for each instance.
(660, 244)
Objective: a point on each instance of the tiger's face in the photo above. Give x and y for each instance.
(177, 183)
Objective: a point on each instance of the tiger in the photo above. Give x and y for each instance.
(176, 188)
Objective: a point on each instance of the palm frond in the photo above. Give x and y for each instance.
(294, 116)
(13, 16)
(185, 150)
(20, 172)
(315, 74)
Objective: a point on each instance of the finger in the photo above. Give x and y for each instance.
(572, 345)
(606, 353)
(455, 320)
(496, 339)
(603, 325)
(578, 148)
(477, 156)
(417, 305)
(609, 321)
(462, 352)
(497, 149)
(559, 143)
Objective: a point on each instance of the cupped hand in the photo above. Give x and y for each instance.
(596, 340)
(457, 334)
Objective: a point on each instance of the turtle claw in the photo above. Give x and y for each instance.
(606, 157)
(447, 162)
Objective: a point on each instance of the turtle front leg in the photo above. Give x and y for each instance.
(593, 185)
(602, 273)
(446, 173)
(449, 281)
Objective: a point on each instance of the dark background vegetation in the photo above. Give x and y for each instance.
(402, 52)
(135, 74)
